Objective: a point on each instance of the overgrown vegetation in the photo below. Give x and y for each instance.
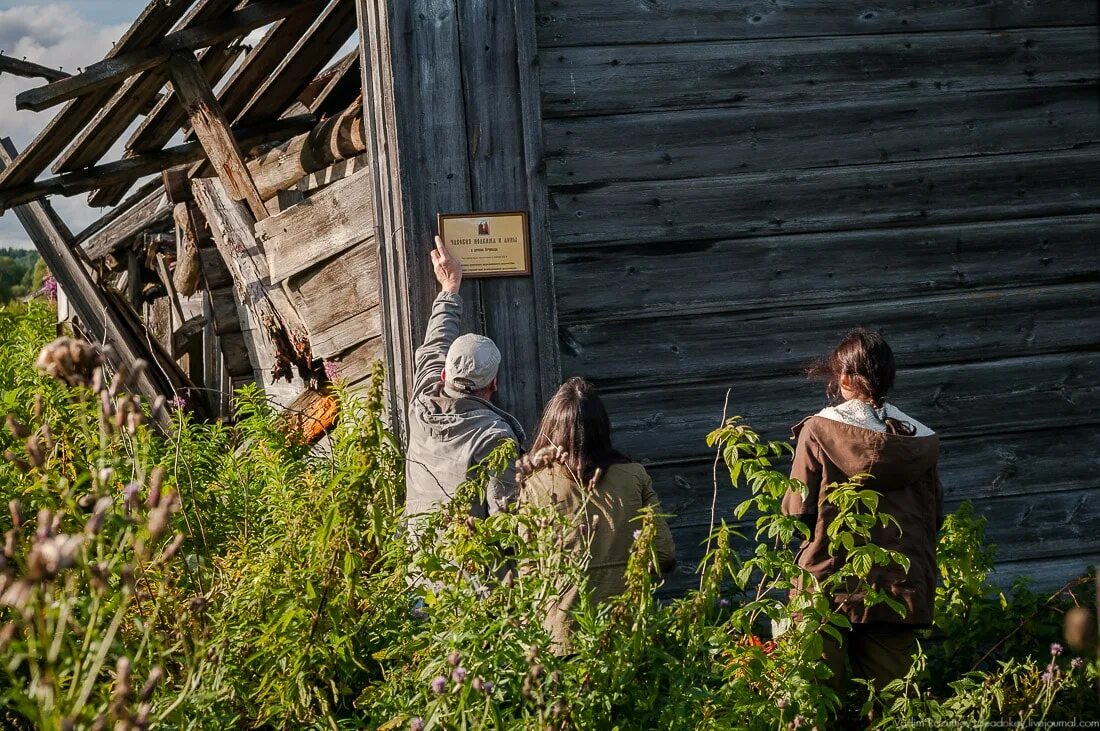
(226, 577)
(21, 273)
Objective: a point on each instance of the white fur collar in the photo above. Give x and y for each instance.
(865, 416)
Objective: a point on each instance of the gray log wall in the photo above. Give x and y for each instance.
(734, 185)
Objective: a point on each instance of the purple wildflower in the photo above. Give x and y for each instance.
(130, 492)
(178, 401)
(1076, 663)
(1047, 676)
(637, 534)
(332, 370)
(419, 614)
(488, 686)
(49, 288)
(723, 603)
(1056, 649)
(417, 724)
(439, 684)
(459, 674)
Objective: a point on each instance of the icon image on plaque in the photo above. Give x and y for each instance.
(488, 244)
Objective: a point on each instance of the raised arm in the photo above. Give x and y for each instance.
(445, 321)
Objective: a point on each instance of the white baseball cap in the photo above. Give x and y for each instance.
(472, 363)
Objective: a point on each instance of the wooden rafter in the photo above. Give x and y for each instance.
(29, 69)
(154, 22)
(212, 129)
(129, 170)
(113, 71)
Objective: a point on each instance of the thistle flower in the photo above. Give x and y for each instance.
(49, 288)
(1056, 649)
(1047, 676)
(52, 555)
(1076, 663)
(179, 401)
(99, 512)
(155, 676)
(17, 429)
(454, 659)
(16, 513)
(439, 684)
(332, 370)
(71, 361)
(459, 675)
(130, 493)
(723, 603)
(419, 614)
(417, 724)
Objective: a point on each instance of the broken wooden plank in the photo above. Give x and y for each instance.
(335, 139)
(102, 321)
(331, 221)
(156, 20)
(149, 211)
(135, 97)
(212, 129)
(232, 229)
(338, 300)
(29, 69)
(114, 70)
(308, 58)
(135, 168)
(344, 86)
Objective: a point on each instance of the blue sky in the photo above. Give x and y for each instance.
(60, 33)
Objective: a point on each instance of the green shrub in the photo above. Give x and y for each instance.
(207, 576)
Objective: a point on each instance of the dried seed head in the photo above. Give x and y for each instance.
(16, 427)
(536, 671)
(106, 406)
(52, 555)
(133, 420)
(43, 525)
(97, 379)
(98, 573)
(9, 544)
(158, 520)
(1080, 630)
(127, 576)
(156, 479)
(99, 513)
(71, 361)
(46, 436)
(86, 502)
(17, 595)
(38, 406)
(34, 452)
(172, 549)
(16, 512)
(7, 633)
(155, 676)
(454, 659)
(198, 604)
(532, 654)
(20, 464)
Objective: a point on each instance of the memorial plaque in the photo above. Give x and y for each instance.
(488, 244)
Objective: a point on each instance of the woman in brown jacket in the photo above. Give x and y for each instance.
(863, 434)
(597, 490)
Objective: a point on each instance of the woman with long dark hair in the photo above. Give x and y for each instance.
(574, 468)
(861, 433)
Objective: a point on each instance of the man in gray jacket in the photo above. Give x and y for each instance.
(452, 424)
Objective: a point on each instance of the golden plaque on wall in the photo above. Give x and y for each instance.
(488, 244)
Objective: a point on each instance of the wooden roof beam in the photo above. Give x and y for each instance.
(212, 128)
(156, 20)
(132, 169)
(29, 69)
(308, 58)
(112, 71)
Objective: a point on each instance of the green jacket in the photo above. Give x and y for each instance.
(608, 513)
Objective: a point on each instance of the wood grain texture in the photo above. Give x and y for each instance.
(591, 22)
(722, 141)
(615, 282)
(150, 210)
(922, 330)
(338, 300)
(762, 74)
(212, 129)
(858, 197)
(327, 223)
(983, 397)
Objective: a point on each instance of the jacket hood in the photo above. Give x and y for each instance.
(451, 415)
(894, 461)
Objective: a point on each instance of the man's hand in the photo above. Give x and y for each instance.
(448, 269)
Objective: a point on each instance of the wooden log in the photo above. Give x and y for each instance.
(750, 274)
(279, 89)
(332, 221)
(223, 311)
(116, 69)
(923, 330)
(333, 173)
(338, 300)
(1001, 396)
(709, 142)
(99, 318)
(154, 22)
(333, 140)
(212, 129)
(177, 184)
(268, 304)
(187, 273)
(617, 79)
(131, 169)
(29, 69)
(917, 193)
(588, 23)
(310, 415)
(215, 273)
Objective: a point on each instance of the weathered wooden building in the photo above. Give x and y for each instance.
(717, 191)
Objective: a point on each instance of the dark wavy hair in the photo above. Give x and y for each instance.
(867, 360)
(576, 421)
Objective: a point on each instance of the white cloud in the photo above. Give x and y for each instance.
(52, 34)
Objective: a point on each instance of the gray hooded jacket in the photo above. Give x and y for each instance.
(450, 432)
